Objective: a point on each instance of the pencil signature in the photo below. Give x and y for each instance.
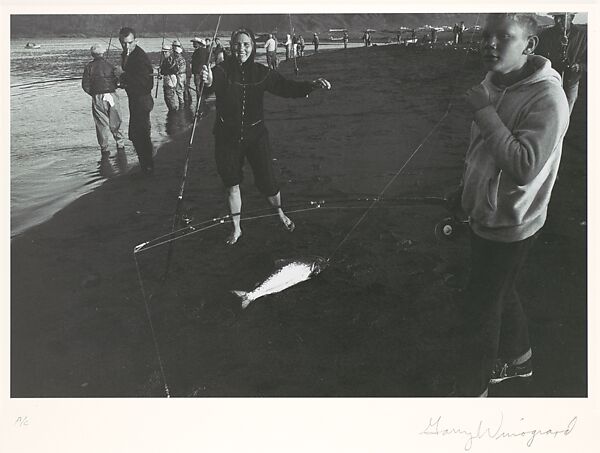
(495, 431)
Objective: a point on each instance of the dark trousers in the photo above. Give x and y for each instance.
(231, 153)
(139, 129)
(495, 320)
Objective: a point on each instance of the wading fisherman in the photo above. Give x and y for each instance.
(100, 82)
(565, 45)
(138, 81)
(181, 73)
(168, 72)
(239, 84)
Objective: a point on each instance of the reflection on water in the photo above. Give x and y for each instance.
(109, 167)
(179, 120)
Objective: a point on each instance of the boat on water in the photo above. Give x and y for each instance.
(32, 45)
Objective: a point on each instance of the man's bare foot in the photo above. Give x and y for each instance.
(233, 237)
(288, 225)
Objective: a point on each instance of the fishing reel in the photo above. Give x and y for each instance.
(450, 228)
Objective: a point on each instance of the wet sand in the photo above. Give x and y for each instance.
(381, 321)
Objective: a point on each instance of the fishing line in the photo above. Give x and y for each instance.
(376, 200)
(455, 79)
(157, 350)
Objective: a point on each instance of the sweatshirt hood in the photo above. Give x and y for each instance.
(543, 71)
(245, 31)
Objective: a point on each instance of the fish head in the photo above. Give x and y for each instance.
(319, 264)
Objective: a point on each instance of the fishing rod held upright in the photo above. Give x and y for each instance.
(161, 59)
(179, 204)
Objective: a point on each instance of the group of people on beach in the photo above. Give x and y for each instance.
(520, 117)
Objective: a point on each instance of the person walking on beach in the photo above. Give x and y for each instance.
(100, 82)
(461, 30)
(239, 84)
(455, 32)
(315, 41)
(288, 47)
(138, 81)
(520, 117)
(301, 46)
(271, 50)
(565, 45)
(345, 39)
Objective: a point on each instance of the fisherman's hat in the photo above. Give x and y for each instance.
(198, 40)
(166, 48)
(176, 43)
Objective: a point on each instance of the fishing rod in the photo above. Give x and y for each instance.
(161, 57)
(294, 49)
(108, 48)
(338, 203)
(178, 206)
(564, 59)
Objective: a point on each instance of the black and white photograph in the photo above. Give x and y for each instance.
(253, 211)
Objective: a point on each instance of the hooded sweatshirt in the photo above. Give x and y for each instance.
(514, 155)
(240, 90)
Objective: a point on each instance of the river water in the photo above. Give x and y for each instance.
(54, 155)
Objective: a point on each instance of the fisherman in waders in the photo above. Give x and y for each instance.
(100, 82)
(239, 84)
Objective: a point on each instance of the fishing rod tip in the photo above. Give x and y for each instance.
(139, 246)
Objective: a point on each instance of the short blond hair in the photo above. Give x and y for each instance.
(527, 21)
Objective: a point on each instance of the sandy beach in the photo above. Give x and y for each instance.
(380, 321)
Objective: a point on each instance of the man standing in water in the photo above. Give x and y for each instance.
(100, 82)
(138, 81)
(240, 83)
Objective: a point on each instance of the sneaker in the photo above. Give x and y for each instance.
(503, 371)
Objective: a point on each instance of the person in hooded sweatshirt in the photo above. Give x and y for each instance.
(239, 84)
(520, 117)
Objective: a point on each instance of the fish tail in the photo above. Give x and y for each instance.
(243, 295)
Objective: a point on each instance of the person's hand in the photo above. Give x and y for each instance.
(207, 76)
(322, 83)
(477, 97)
